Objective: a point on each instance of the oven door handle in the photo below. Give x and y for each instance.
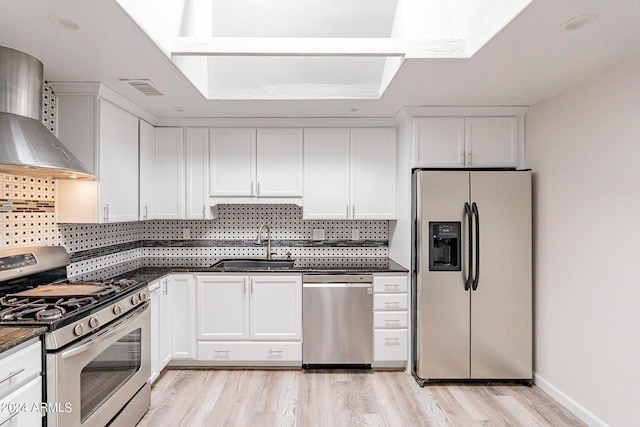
(104, 335)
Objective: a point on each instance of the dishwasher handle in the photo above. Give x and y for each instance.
(350, 279)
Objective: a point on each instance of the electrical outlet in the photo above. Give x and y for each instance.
(186, 233)
(319, 234)
(355, 234)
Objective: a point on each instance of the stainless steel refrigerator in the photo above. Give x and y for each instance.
(472, 278)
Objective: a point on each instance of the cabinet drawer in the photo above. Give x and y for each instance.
(17, 409)
(390, 319)
(264, 353)
(389, 302)
(19, 367)
(389, 284)
(390, 345)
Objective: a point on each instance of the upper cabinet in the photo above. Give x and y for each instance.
(169, 175)
(105, 138)
(147, 171)
(466, 142)
(251, 164)
(197, 172)
(350, 173)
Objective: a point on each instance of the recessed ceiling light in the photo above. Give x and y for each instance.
(578, 22)
(353, 110)
(179, 109)
(64, 23)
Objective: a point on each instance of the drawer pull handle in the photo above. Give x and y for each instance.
(395, 303)
(392, 339)
(11, 375)
(396, 321)
(222, 351)
(13, 414)
(275, 351)
(392, 285)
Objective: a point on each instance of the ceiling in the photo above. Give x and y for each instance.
(528, 60)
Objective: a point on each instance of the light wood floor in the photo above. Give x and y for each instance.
(341, 398)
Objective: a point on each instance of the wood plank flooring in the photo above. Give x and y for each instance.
(252, 397)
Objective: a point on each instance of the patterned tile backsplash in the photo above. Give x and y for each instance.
(27, 219)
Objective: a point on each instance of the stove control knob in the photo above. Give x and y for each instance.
(117, 309)
(135, 300)
(142, 296)
(93, 322)
(78, 329)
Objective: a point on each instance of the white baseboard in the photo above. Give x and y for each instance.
(565, 400)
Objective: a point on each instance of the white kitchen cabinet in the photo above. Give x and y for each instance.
(196, 159)
(326, 173)
(231, 162)
(279, 163)
(390, 321)
(223, 307)
(147, 171)
(169, 175)
(155, 308)
(373, 173)
(182, 294)
(105, 138)
(244, 319)
(251, 164)
(459, 142)
(21, 387)
(350, 173)
(166, 324)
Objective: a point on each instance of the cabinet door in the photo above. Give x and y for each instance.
(118, 164)
(439, 142)
(147, 171)
(326, 174)
(223, 308)
(276, 308)
(279, 163)
(232, 162)
(492, 142)
(155, 301)
(197, 154)
(166, 324)
(373, 173)
(24, 400)
(170, 199)
(183, 299)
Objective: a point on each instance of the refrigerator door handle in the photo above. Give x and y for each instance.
(474, 209)
(468, 281)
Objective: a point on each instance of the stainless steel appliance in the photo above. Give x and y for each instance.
(26, 146)
(97, 344)
(472, 275)
(337, 321)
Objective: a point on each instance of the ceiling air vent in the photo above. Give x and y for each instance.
(143, 85)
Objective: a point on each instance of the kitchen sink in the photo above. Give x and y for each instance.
(254, 264)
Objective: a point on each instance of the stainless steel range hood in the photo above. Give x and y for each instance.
(26, 146)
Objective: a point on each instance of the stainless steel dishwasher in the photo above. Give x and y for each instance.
(337, 320)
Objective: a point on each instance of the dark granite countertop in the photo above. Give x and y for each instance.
(301, 266)
(11, 336)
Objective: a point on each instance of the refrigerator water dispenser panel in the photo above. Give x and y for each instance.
(444, 246)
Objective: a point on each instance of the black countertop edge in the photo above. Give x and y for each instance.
(152, 273)
(12, 336)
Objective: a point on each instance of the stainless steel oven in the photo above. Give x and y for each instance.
(102, 378)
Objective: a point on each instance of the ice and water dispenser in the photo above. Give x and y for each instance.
(444, 246)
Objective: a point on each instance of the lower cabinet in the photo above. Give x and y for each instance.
(181, 295)
(249, 320)
(155, 307)
(390, 321)
(21, 386)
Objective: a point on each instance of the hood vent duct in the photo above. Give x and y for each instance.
(26, 146)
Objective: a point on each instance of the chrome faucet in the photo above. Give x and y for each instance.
(259, 239)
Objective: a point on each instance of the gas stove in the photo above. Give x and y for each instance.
(70, 310)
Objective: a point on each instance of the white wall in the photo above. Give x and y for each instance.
(583, 146)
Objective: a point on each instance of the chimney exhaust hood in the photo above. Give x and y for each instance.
(26, 146)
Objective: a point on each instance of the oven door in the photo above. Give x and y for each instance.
(91, 381)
